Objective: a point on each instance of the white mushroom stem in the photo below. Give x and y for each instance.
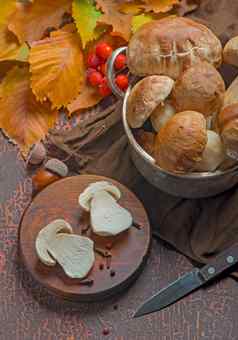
(214, 153)
(87, 195)
(161, 115)
(108, 218)
(46, 236)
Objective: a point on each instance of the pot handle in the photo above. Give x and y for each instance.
(111, 72)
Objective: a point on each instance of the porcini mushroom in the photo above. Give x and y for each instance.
(213, 154)
(230, 52)
(199, 88)
(169, 45)
(231, 94)
(227, 125)
(161, 115)
(145, 96)
(87, 195)
(74, 253)
(108, 218)
(181, 142)
(45, 237)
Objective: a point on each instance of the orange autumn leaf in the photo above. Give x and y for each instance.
(112, 15)
(86, 99)
(57, 67)
(22, 118)
(156, 6)
(161, 6)
(30, 20)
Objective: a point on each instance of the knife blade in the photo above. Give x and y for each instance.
(189, 282)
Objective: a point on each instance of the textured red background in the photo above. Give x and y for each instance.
(28, 312)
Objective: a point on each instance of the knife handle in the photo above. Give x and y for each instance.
(222, 262)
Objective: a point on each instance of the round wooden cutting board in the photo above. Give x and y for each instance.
(110, 276)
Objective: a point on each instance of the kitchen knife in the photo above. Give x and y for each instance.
(190, 282)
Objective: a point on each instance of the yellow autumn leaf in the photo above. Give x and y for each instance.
(24, 120)
(30, 20)
(10, 49)
(6, 9)
(86, 16)
(57, 67)
(139, 20)
(113, 16)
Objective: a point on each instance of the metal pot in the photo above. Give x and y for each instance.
(191, 185)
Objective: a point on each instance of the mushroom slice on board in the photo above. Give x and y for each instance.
(108, 218)
(87, 195)
(45, 238)
(74, 253)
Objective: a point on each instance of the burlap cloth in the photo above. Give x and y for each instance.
(200, 229)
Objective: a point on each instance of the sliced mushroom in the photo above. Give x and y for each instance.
(161, 115)
(46, 236)
(56, 244)
(74, 253)
(108, 218)
(145, 96)
(87, 195)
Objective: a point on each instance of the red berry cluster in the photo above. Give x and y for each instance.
(96, 72)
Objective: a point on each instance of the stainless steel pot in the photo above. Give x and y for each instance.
(192, 185)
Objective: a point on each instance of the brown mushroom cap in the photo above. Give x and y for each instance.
(168, 45)
(230, 52)
(227, 125)
(180, 143)
(145, 96)
(231, 94)
(199, 88)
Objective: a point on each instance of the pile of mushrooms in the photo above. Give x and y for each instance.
(193, 119)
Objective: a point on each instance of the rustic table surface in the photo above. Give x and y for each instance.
(28, 312)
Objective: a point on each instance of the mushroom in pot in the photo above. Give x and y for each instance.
(199, 88)
(227, 125)
(213, 154)
(169, 45)
(230, 52)
(161, 115)
(145, 96)
(180, 143)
